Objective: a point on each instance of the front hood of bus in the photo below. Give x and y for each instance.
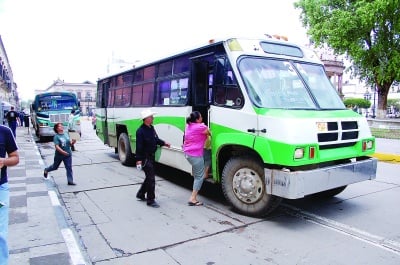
(303, 126)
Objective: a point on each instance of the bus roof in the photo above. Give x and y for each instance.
(251, 46)
(55, 93)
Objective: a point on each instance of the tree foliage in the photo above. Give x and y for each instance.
(367, 31)
(357, 102)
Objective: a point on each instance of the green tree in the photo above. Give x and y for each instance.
(357, 102)
(367, 31)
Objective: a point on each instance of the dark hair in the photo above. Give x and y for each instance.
(72, 111)
(195, 115)
(56, 126)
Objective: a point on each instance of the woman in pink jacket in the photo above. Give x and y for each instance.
(196, 134)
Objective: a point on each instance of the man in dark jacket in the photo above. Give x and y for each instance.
(146, 146)
(8, 157)
(12, 117)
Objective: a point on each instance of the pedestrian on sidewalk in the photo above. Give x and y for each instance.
(196, 133)
(8, 157)
(21, 118)
(146, 146)
(13, 119)
(63, 153)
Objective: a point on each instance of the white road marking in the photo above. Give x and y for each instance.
(53, 198)
(74, 251)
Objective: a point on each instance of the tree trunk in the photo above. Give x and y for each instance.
(382, 92)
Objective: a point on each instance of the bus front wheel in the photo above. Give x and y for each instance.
(124, 150)
(243, 186)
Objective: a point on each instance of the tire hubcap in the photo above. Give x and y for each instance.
(247, 185)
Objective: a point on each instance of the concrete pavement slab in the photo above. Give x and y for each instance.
(248, 246)
(158, 256)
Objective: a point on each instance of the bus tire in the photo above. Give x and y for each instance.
(124, 150)
(243, 185)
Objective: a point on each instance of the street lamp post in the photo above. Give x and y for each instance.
(88, 100)
(373, 109)
(367, 96)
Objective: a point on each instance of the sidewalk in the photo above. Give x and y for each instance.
(38, 230)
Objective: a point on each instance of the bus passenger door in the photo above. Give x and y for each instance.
(200, 88)
(103, 130)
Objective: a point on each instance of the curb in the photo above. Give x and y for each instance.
(390, 158)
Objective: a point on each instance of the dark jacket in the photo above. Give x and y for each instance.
(12, 116)
(146, 142)
(7, 145)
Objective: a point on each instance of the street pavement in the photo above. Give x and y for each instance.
(38, 229)
(38, 226)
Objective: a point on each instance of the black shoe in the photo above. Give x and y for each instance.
(140, 197)
(153, 204)
(72, 183)
(45, 174)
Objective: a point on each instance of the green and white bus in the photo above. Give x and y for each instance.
(50, 108)
(279, 128)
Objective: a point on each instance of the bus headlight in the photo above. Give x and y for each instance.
(299, 153)
(367, 145)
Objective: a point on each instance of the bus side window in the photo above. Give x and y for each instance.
(228, 80)
(233, 96)
(164, 92)
(219, 71)
(219, 95)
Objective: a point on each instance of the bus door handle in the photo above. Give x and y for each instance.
(254, 130)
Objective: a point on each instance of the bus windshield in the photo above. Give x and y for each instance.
(56, 102)
(283, 84)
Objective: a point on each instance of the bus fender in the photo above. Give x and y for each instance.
(224, 140)
(262, 146)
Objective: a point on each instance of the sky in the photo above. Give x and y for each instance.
(76, 40)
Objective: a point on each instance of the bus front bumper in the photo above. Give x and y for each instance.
(46, 131)
(294, 185)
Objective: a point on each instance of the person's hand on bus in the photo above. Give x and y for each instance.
(167, 145)
(139, 165)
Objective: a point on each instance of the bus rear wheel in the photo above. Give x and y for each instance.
(243, 186)
(124, 150)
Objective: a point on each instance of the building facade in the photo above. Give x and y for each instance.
(8, 88)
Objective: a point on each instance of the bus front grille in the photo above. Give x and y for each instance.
(339, 134)
(62, 117)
